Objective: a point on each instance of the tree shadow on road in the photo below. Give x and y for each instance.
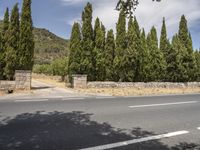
(69, 131)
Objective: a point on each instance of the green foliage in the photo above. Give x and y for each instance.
(109, 55)
(100, 51)
(59, 67)
(43, 69)
(75, 50)
(12, 44)
(189, 61)
(5, 26)
(157, 63)
(165, 48)
(26, 53)
(197, 57)
(121, 45)
(144, 68)
(48, 46)
(87, 43)
(131, 52)
(176, 68)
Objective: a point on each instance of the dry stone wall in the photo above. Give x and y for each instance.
(142, 85)
(79, 81)
(23, 79)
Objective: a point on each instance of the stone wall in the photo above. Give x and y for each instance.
(7, 85)
(23, 79)
(79, 81)
(142, 85)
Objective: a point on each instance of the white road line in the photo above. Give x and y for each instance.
(72, 98)
(110, 97)
(37, 100)
(125, 143)
(198, 128)
(164, 104)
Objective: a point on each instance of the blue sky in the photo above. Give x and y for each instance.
(59, 15)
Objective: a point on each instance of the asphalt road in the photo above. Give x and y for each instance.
(124, 123)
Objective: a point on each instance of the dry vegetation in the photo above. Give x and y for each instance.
(118, 91)
(138, 91)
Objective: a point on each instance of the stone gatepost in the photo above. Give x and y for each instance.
(79, 81)
(23, 79)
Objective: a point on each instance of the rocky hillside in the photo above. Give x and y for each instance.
(48, 46)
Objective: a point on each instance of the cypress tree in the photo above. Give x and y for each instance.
(157, 62)
(189, 59)
(165, 47)
(88, 56)
(120, 47)
(197, 56)
(130, 55)
(3, 44)
(12, 44)
(75, 51)
(100, 50)
(144, 61)
(138, 49)
(109, 55)
(26, 50)
(175, 69)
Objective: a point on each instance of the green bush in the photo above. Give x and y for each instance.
(57, 68)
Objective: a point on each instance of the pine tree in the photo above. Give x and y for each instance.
(88, 56)
(75, 51)
(26, 50)
(3, 44)
(157, 62)
(121, 46)
(100, 50)
(109, 55)
(12, 44)
(189, 59)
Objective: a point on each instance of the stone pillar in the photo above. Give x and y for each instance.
(23, 79)
(79, 81)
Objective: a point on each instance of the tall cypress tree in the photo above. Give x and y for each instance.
(165, 47)
(12, 44)
(75, 51)
(100, 50)
(157, 62)
(144, 69)
(121, 46)
(138, 49)
(175, 69)
(131, 53)
(109, 55)
(197, 56)
(87, 60)
(189, 59)
(26, 50)
(3, 44)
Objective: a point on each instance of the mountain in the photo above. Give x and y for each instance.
(48, 46)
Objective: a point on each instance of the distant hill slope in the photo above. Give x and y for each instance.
(48, 46)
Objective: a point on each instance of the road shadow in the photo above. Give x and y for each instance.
(69, 131)
(41, 88)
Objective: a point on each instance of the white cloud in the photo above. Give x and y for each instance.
(148, 13)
